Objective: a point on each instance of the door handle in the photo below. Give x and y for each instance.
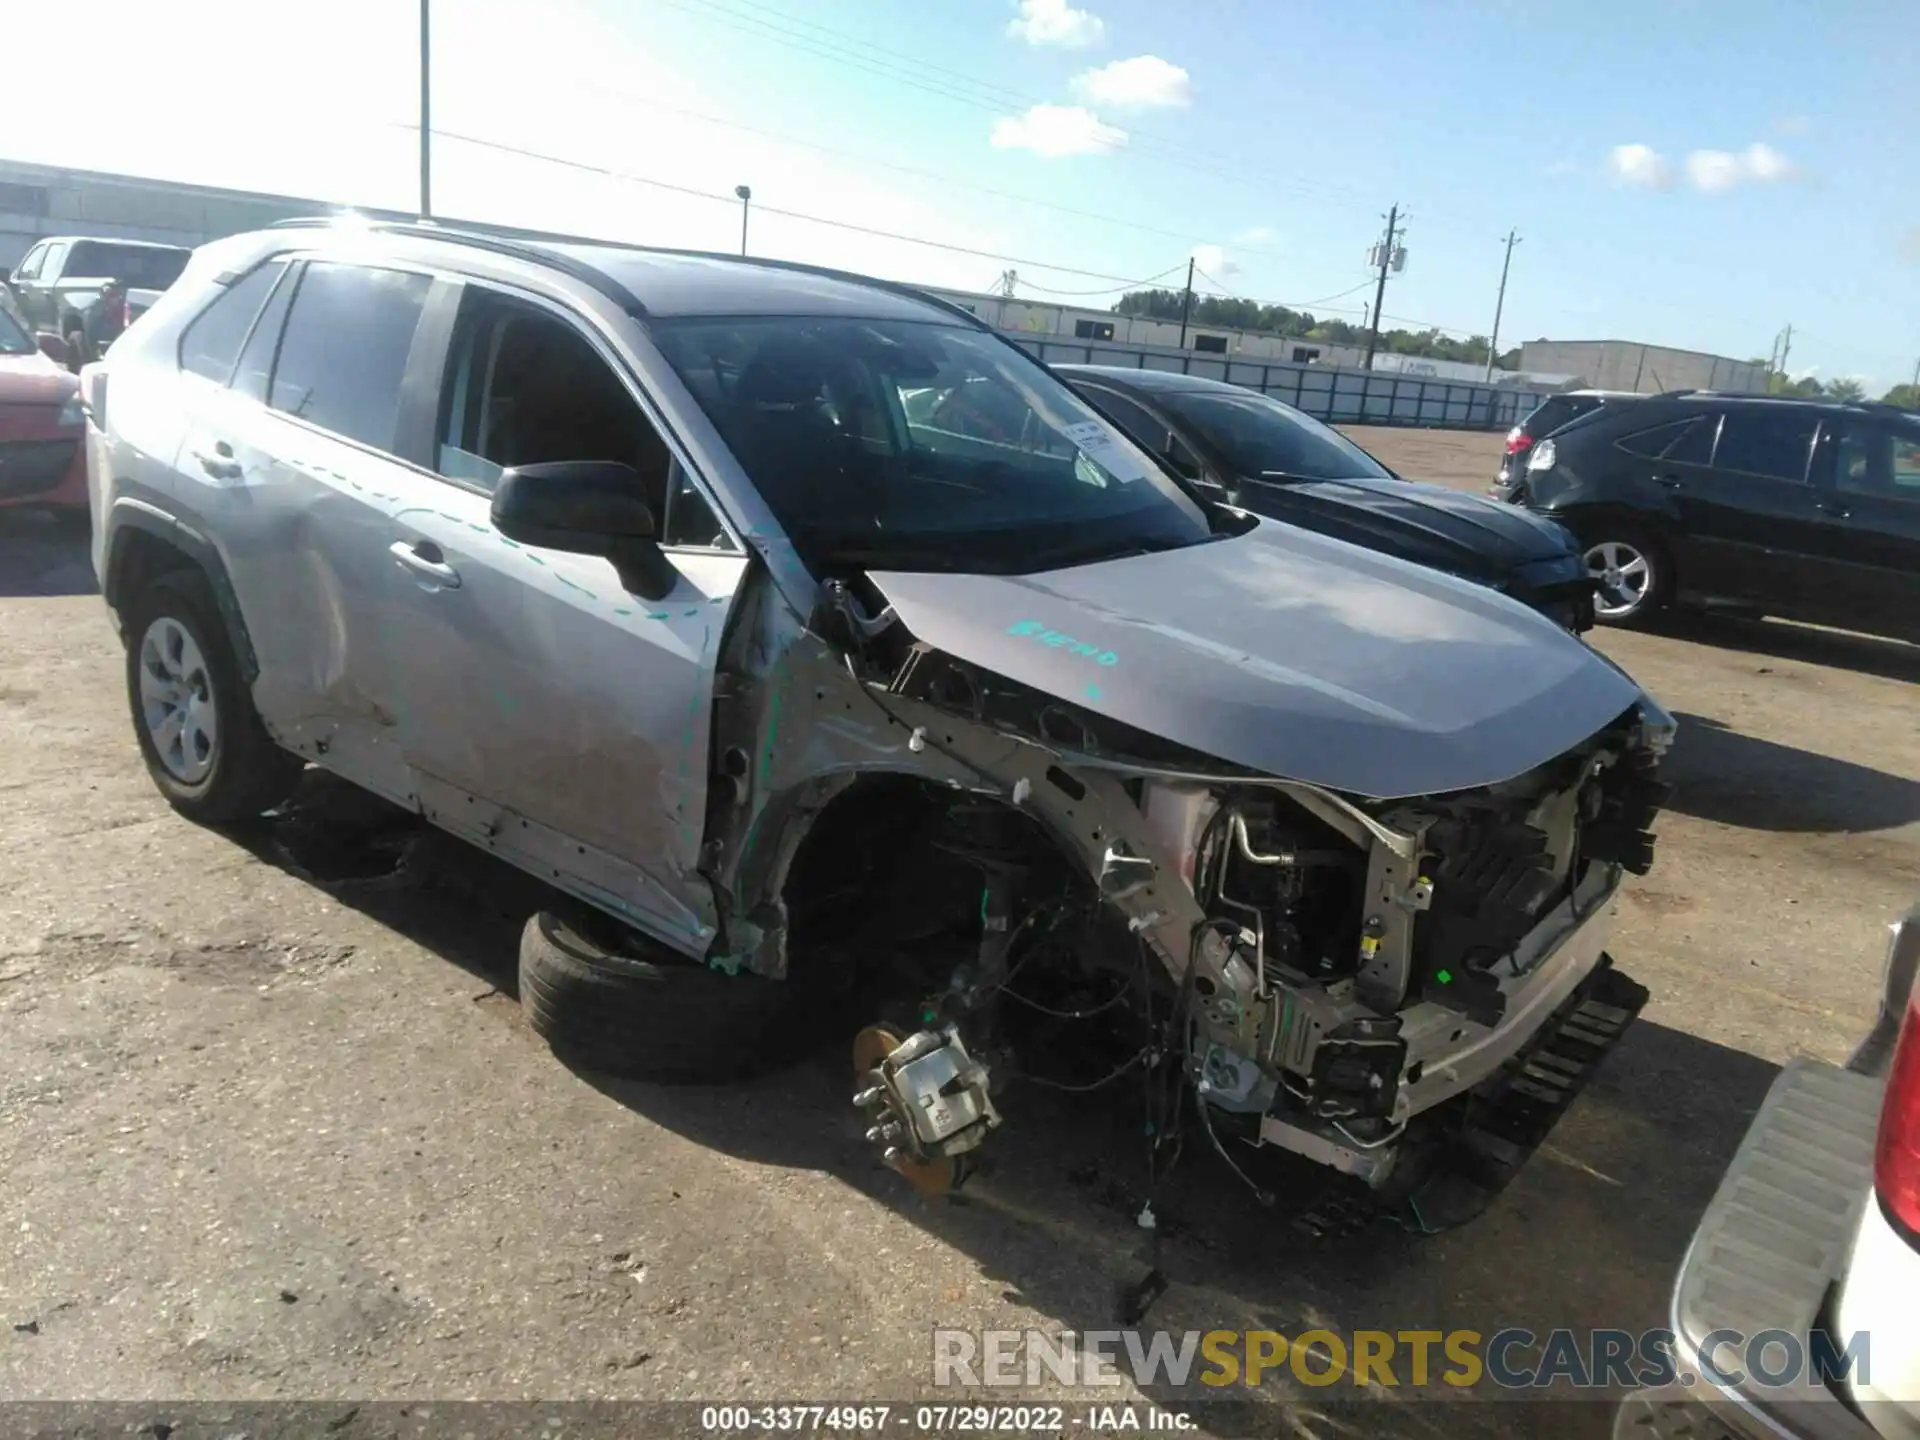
(425, 559)
(1839, 509)
(1669, 482)
(220, 464)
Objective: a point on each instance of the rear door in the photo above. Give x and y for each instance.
(1867, 473)
(546, 713)
(297, 456)
(1753, 532)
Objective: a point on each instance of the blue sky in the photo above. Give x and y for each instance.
(1686, 173)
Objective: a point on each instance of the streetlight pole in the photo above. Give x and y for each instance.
(1186, 303)
(1493, 344)
(745, 192)
(426, 118)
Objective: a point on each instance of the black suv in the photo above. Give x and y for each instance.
(1808, 510)
(1238, 445)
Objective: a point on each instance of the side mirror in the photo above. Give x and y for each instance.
(587, 507)
(53, 347)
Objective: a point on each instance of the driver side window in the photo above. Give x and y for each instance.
(525, 387)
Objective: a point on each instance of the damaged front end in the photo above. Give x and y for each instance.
(1405, 988)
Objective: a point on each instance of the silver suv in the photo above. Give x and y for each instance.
(649, 573)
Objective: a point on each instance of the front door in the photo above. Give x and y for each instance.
(1750, 517)
(1868, 476)
(546, 713)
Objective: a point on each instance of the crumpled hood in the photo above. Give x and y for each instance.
(1464, 534)
(1289, 653)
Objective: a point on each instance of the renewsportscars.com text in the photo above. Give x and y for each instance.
(1506, 1359)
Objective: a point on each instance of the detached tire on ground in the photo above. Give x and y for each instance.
(609, 1010)
(193, 714)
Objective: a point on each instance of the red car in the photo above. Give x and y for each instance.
(42, 459)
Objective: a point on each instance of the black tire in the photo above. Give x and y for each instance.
(1658, 592)
(607, 1009)
(248, 773)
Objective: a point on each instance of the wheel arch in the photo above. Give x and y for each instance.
(145, 542)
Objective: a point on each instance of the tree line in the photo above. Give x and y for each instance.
(1228, 313)
(1846, 388)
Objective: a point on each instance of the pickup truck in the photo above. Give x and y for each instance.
(60, 280)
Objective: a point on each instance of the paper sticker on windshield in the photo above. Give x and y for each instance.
(1100, 445)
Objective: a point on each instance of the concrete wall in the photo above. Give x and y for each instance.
(1647, 369)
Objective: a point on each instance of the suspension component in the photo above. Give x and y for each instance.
(925, 1102)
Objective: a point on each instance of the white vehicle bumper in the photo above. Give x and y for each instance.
(1765, 1258)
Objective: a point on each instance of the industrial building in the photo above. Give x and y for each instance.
(41, 200)
(1072, 322)
(1645, 369)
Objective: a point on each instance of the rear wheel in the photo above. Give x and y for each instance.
(198, 731)
(1632, 576)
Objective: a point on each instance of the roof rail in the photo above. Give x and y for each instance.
(481, 240)
(535, 248)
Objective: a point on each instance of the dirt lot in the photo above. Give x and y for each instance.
(271, 1126)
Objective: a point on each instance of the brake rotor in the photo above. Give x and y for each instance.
(930, 1177)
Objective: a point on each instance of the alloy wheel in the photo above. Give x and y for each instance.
(1624, 576)
(176, 701)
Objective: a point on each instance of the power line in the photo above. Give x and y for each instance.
(985, 95)
(765, 209)
(1129, 285)
(629, 97)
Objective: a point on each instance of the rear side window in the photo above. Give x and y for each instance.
(343, 354)
(1682, 442)
(135, 266)
(211, 344)
(1554, 413)
(29, 268)
(1770, 443)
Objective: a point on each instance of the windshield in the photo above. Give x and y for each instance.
(1259, 436)
(919, 445)
(14, 340)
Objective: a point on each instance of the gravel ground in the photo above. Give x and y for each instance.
(272, 1128)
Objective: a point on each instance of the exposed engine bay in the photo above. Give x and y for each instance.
(1064, 900)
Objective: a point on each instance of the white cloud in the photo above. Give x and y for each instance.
(1057, 131)
(1055, 22)
(1140, 83)
(1215, 261)
(1717, 170)
(1640, 166)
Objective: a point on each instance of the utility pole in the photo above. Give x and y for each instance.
(1493, 344)
(426, 118)
(745, 192)
(1380, 290)
(1786, 345)
(1186, 304)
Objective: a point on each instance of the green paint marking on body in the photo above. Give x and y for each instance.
(572, 586)
(656, 614)
(1445, 977)
(773, 734)
(619, 610)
